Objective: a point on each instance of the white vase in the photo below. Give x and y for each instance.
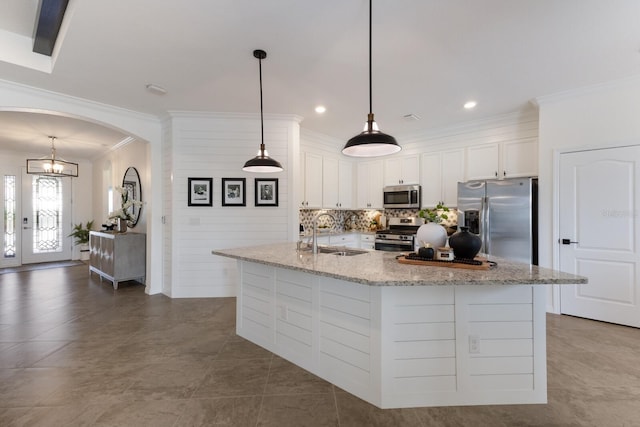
(431, 233)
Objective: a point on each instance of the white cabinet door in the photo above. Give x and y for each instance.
(348, 240)
(330, 196)
(520, 158)
(345, 184)
(452, 173)
(369, 185)
(367, 241)
(508, 159)
(431, 179)
(441, 172)
(312, 181)
(337, 184)
(483, 161)
(402, 170)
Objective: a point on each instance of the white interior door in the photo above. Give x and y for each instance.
(599, 236)
(46, 219)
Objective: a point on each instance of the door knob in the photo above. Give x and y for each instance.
(567, 241)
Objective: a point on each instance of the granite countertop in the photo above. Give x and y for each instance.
(332, 232)
(379, 268)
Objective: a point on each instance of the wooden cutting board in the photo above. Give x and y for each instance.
(448, 264)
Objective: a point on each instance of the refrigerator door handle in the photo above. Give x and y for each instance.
(487, 230)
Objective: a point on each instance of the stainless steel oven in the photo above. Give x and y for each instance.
(400, 236)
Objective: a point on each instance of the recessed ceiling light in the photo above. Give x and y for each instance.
(320, 109)
(470, 105)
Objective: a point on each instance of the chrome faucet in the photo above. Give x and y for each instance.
(315, 228)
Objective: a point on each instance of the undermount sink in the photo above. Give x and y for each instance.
(340, 251)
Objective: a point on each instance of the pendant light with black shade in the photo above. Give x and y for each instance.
(371, 142)
(262, 163)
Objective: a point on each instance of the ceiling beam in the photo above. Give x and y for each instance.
(48, 26)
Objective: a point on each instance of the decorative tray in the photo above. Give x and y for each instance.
(469, 264)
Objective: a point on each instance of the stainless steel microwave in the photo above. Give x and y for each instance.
(402, 196)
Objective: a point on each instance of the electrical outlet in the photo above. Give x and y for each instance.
(474, 344)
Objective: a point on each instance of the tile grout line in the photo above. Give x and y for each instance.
(264, 391)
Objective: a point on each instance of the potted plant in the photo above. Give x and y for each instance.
(81, 235)
(432, 232)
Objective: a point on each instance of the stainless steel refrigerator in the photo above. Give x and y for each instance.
(504, 213)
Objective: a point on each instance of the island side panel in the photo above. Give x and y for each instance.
(502, 344)
(418, 346)
(321, 324)
(348, 344)
(255, 304)
(401, 346)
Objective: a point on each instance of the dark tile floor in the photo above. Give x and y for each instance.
(74, 352)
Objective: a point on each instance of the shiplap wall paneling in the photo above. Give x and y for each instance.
(294, 316)
(167, 208)
(345, 341)
(496, 351)
(216, 146)
(255, 318)
(418, 351)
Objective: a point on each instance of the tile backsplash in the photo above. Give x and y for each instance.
(361, 219)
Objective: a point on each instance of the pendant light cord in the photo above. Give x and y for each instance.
(370, 55)
(261, 117)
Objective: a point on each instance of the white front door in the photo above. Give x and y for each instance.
(46, 218)
(599, 235)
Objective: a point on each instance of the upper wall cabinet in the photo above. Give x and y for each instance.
(312, 166)
(502, 160)
(402, 170)
(337, 184)
(369, 185)
(441, 172)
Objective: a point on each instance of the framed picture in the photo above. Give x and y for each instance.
(200, 191)
(233, 193)
(266, 191)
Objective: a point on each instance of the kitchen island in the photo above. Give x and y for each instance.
(400, 335)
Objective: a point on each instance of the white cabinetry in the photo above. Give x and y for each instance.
(369, 185)
(312, 197)
(367, 241)
(441, 172)
(117, 256)
(520, 158)
(348, 240)
(337, 184)
(503, 160)
(402, 170)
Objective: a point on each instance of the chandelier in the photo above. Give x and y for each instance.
(52, 166)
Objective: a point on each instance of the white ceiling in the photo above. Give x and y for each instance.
(429, 57)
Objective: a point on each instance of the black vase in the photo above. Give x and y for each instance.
(464, 244)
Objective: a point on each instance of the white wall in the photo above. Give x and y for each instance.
(594, 117)
(134, 154)
(202, 145)
(15, 97)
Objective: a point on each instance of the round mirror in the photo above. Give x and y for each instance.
(131, 184)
